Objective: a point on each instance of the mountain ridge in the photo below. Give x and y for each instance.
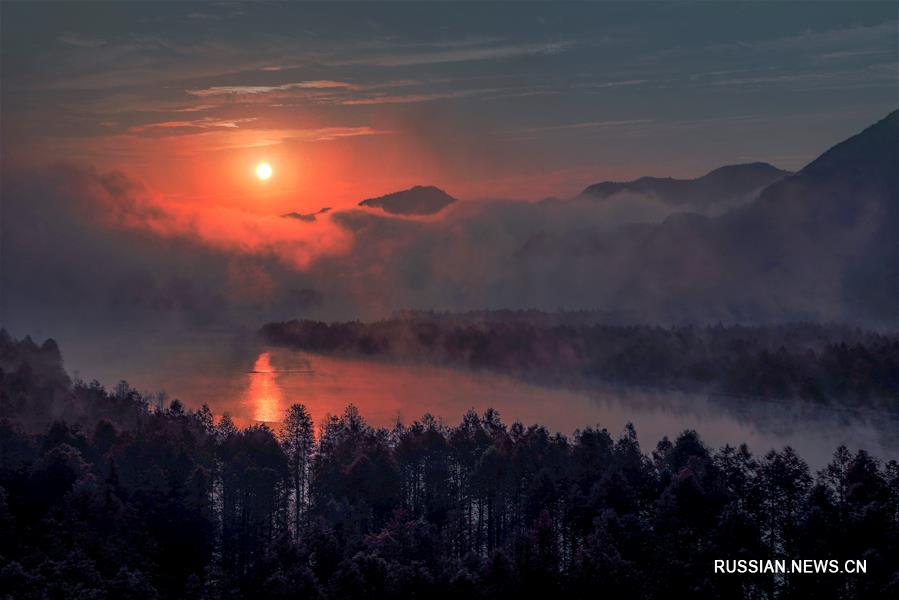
(721, 185)
(819, 244)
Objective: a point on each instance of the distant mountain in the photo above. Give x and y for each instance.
(835, 223)
(419, 200)
(871, 153)
(820, 244)
(724, 186)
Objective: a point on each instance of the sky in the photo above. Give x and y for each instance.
(131, 133)
(488, 100)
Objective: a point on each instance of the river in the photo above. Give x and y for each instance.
(253, 383)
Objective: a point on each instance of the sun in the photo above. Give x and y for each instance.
(263, 171)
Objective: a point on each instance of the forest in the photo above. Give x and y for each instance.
(103, 495)
(818, 362)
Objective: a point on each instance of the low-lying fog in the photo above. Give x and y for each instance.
(253, 383)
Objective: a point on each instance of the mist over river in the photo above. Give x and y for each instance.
(236, 374)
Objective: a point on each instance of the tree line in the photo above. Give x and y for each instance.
(129, 501)
(817, 362)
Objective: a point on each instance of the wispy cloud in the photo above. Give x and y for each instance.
(215, 16)
(276, 68)
(615, 84)
(810, 44)
(456, 54)
(81, 41)
(879, 74)
(204, 123)
(419, 97)
(189, 109)
(425, 96)
(584, 125)
(850, 54)
(236, 138)
(325, 134)
(344, 93)
(826, 38)
(241, 90)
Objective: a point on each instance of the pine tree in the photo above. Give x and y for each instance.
(298, 441)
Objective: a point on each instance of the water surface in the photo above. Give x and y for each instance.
(253, 383)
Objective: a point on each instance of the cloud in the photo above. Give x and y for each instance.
(420, 97)
(163, 257)
(322, 92)
(198, 137)
(323, 134)
(615, 84)
(240, 90)
(807, 60)
(461, 54)
(74, 39)
(143, 61)
(204, 123)
(286, 67)
(366, 94)
(217, 16)
(187, 109)
(878, 74)
(809, 40)
(112, 251)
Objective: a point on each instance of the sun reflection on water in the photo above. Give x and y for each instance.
(263, 393)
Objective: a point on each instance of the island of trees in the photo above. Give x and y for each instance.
(104, 496)
(817, 362)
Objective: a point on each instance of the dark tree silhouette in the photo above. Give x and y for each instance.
(124, 500)
(298, 441)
